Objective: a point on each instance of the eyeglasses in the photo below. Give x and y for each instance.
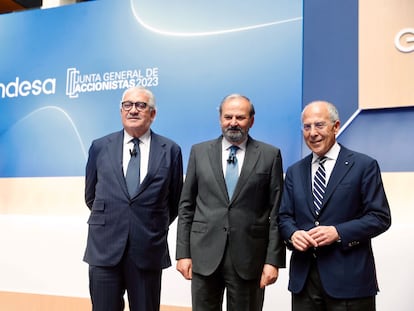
(127, 105)
(317, 125)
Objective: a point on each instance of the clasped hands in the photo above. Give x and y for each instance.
(318, 236)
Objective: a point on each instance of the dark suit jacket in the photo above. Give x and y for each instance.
(248, 223)
(143, 220)
(355, 203)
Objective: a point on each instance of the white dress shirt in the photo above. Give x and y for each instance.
(331, 157)
(144, 147)
(225, 151)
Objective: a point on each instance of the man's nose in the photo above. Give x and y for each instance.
(134, 109)
(313, 130)
(233, 121)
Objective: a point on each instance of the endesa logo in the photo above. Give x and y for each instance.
(19, 87)
(404, 40)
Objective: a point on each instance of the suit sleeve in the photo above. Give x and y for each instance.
(176, 183)
(90, 176)
(375, 215)
(276, 251)
(287, 223)
(187, 209)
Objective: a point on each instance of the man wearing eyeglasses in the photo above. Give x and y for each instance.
(132, 187)
(333, 204)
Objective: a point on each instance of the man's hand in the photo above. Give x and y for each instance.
(324, 235)
(269, 275)
(302, 240)
(185, 267)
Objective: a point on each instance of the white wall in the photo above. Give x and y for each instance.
(42, 252)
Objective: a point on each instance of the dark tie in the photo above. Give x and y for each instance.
(319, 185)
(232, 171)
(132, 175)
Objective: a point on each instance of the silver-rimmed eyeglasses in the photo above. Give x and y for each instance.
(317, 125)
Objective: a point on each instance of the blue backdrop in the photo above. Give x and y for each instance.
(330, 72)
(63, 72)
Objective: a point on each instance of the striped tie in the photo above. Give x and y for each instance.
(319, 185)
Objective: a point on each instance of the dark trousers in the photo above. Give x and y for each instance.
(314, 298)
(242, 295)
(107, 286)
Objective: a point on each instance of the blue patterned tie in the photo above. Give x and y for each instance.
(319, 185)
(232, 171)
(133, 171)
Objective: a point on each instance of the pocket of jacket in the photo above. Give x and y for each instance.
(198, 227)
(98, 205)
(96, 219)
(97, 216)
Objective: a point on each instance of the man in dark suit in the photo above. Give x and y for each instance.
(230, 240)
(131, 208)
(329, 232)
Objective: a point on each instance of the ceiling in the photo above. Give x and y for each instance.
(8, 6)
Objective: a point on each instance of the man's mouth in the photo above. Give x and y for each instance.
(316, 142)
(133, 118)
(234, 129)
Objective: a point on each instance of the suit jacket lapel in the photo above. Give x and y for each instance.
(115, 149)
(342, 166)
(215, 157)
(156, 154)
(306, 173)
(250, 159)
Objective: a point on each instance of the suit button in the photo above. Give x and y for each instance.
(225, 229)
(316, 223)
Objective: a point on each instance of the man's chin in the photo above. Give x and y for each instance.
(234, 139)
(133, 122)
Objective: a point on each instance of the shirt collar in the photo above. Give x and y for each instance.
(226, 144)
(144, 138)
(332, 153)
